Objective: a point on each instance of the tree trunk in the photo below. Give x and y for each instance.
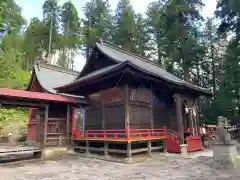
(186, 73)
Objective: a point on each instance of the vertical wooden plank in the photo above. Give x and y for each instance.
(68, 124)
(179, 117)
(45, 126)
(192, 119)
(38, 128)
(197, 117)
(126, 104)
(151, 109)
(103, 115)
(190, 114)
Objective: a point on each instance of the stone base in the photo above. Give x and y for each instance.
(184, 152)
(128, 160)
(225, 155)
(55, 152)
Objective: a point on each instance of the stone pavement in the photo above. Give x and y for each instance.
(158, 167)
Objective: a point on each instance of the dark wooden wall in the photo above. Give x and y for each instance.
(106, 110)
(146, 109)
(161, 113)
(140, 111)
(151, 110)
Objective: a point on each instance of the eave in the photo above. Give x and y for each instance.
(113, 70)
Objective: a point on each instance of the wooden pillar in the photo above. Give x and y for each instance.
(149, 143)
(126, 105)
(0, 105)
(129, 150)
(192, 119)
(68, 124)
(103, 115)
(105, 149)
(38, 130)
(179, 117)
(45, 125)
(87, 147)
(197, 119)
(152, 110)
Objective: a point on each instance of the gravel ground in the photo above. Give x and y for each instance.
(78, 168)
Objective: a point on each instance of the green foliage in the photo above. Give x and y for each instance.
(8, 116)
(96, 24)
(141, 36)
(173, 34)
(69, 40)
(11, 19)
(155, 25)
(124, 22)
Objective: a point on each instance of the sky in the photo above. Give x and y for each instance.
(33, 8)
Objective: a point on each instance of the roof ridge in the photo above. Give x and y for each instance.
(132, 54)
(58, 68)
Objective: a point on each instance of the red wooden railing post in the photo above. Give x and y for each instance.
(165, 131)
(105, 134)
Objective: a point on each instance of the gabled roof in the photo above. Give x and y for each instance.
(96, 74)
(120, 56)
(50, 76)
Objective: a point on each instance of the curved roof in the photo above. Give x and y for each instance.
(50, 76)
(119, 56)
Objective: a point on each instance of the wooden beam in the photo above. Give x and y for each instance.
(68, 124)
(126, 105)
(192, 121)
(179, 117)
(197, 117)
(152, 110)
(20, 103)
(45, 125)
(39, 130)
(103, 115)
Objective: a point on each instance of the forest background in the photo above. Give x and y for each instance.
(173, 33)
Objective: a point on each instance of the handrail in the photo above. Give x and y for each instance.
(126, 134)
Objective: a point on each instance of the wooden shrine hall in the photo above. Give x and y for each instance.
(120, 102)
(131, 101)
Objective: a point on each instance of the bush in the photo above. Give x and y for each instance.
(14, 121)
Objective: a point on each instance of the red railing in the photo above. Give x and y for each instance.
(194, 143)
(172, 144)
(120, 134)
